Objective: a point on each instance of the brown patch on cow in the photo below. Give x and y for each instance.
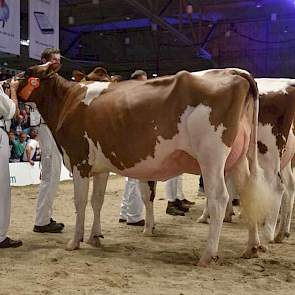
(278, 110)
(152, 186)
(262, 148)
(130, 110)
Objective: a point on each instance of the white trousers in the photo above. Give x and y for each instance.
(5, 194)
(50, 175)
(174, 189)
(132, 204)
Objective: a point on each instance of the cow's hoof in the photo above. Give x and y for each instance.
(94, 241)
(207, 259)
(250, 253)
(287, 235)
(262, 248)
(73, 245)
(279, 238)
(148, 232)
(203, 219)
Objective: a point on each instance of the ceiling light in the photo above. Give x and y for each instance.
(127, 41)
(154, 27)
(189, 8)
(71, 20)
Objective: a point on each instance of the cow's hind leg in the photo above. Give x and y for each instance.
(148, 192)
(99, 187)
(287, 204)
(218, 197)
(81, 186)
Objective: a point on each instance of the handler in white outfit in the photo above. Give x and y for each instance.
(132, 204)
(51, 166)
(50, 178)
(8, 108)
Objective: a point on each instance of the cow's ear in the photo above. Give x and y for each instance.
(78, 76)
(49, 69)
(99, 74)
(100, 71)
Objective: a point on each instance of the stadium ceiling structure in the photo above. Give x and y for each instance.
(159, 36)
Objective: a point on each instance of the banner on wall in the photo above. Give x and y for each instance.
(43, 26)
(22, 174)
(10, 26)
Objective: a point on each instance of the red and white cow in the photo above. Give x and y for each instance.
(276, 148)
(179, 123)
(276, 145)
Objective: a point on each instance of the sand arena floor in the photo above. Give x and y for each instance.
(127, 262)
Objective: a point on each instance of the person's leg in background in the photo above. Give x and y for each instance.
(132, 204)
(5, 194)
(201, 185)
(180, 194)
(174, 206)
(50, 178)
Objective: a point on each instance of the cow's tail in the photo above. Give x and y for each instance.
(255, 193)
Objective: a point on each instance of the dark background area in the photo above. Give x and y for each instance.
(164, 36)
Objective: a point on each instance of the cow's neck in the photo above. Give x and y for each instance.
(52, 99)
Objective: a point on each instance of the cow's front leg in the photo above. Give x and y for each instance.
(148, 192)
(99, 187)
(81, 186)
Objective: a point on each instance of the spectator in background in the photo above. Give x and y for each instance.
(17, 146)
(32, 151)
(139, 75)
(25, 122)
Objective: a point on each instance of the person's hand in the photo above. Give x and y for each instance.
(14, 84)
(31, 162)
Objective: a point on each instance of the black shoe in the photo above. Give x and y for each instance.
(181, 206)
(236, 202)
(9, 243)
(52, 227)
(187, 202)
(138, 223)
(121, 220)
(53, 221)
(172, 209)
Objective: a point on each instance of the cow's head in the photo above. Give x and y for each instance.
(98, 74)
(32, 78)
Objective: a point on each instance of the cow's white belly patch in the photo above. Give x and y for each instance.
(271, 159)
(289, 151)
(94, 90)
(97, 159)
(206, 140)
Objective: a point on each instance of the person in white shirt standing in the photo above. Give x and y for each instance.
(51, 166)
(8, 108)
